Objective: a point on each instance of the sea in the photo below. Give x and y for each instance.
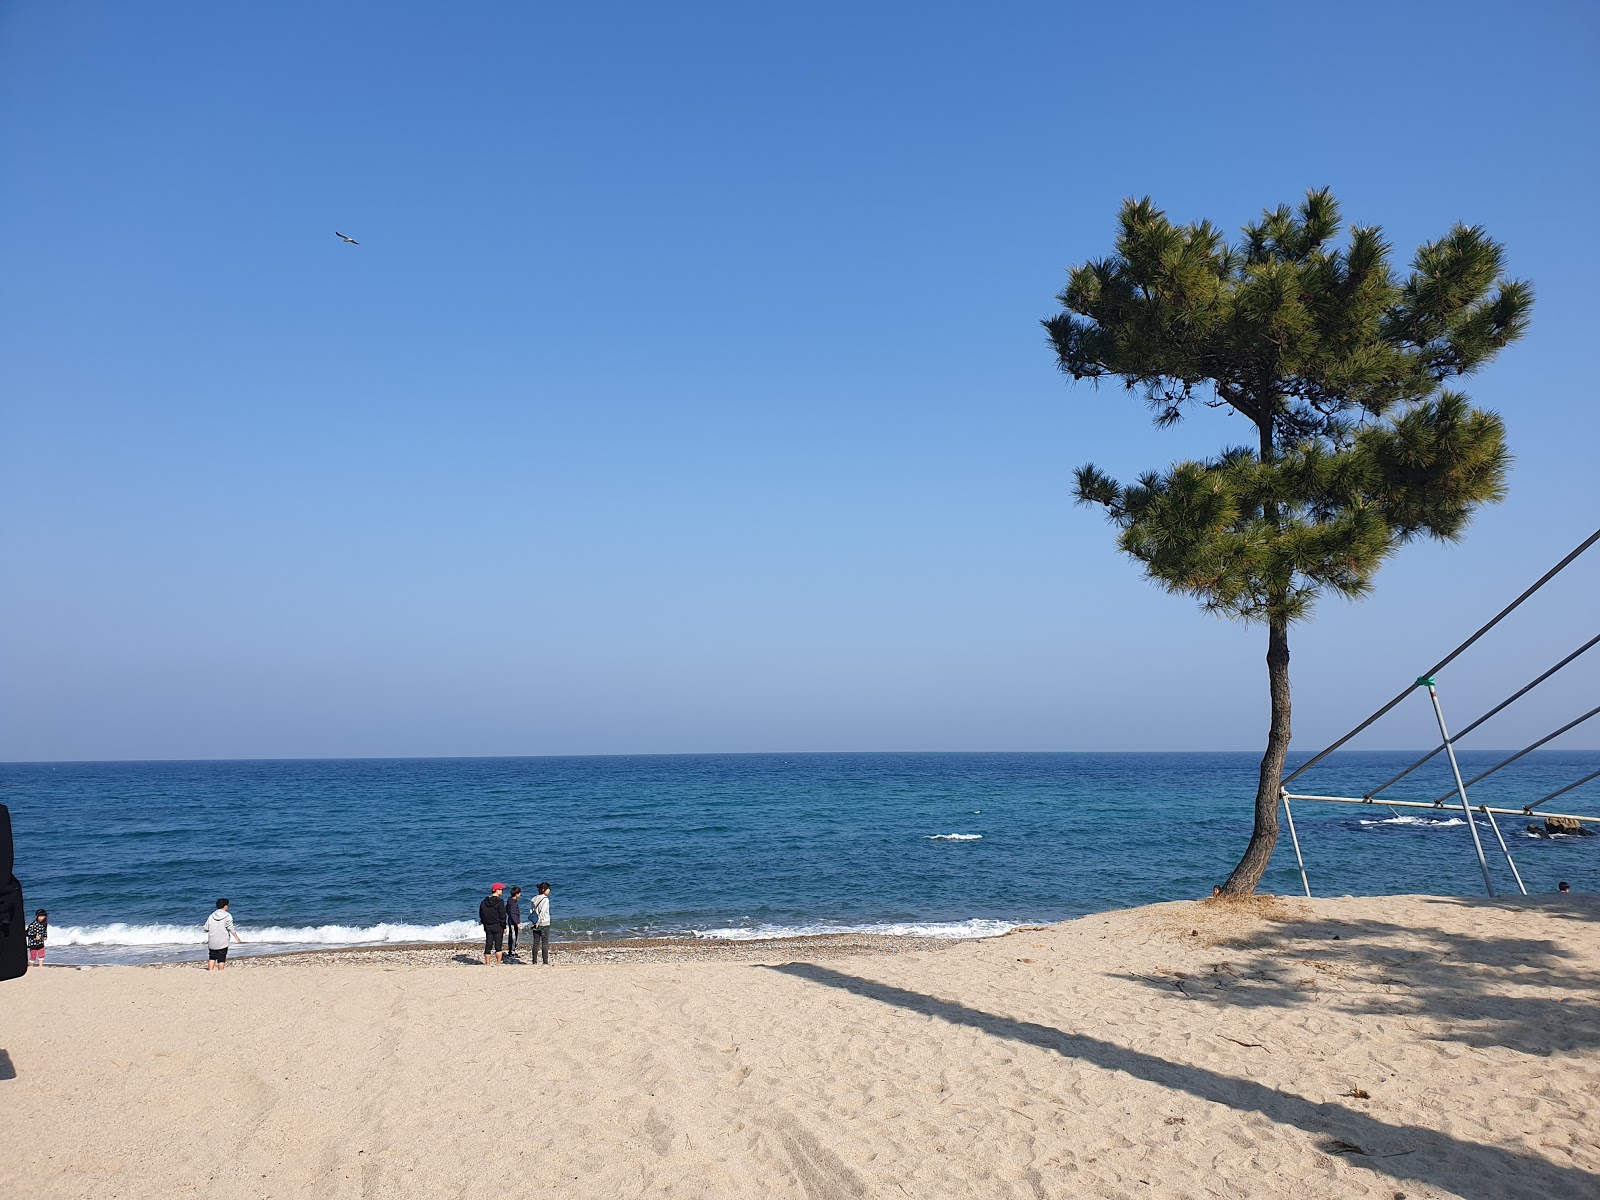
(129, 857)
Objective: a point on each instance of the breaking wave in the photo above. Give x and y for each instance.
(155, 936)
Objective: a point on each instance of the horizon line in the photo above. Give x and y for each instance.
(57, 762)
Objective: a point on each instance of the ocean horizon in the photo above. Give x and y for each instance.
(129, 856)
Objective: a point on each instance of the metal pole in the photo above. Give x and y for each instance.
(1506, 850)
(1293, 837)
(1461, 788)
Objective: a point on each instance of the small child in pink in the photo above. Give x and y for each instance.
(35, 934)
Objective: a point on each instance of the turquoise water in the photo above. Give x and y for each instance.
(128, 857)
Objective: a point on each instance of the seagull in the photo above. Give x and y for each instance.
(351, 240)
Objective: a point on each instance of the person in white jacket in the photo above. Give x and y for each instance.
(219, 928)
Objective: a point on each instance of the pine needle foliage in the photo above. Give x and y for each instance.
(1340, 366)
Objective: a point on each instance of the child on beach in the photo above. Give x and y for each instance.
(513, 920)
(540, 946)
(219, 928)
(36, 933)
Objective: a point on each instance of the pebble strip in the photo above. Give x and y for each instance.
(816, 948)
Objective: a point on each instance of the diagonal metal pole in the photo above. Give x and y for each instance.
(1504, 849)
(1295, 838)
(1528, 809)
(1461, 788)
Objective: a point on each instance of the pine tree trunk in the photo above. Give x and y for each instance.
(1264, 837)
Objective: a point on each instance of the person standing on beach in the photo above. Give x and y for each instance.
(513, 920)
(492, 914)
(540, 946)
(37, 932)
(219, 928)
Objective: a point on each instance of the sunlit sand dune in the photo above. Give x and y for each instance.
(1334, 1048)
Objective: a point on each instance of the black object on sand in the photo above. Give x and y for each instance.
(13, 918)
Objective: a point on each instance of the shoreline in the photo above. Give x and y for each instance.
(805, 947)
(798, 947)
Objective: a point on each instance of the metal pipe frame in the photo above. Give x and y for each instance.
(1436, 806)
(1451, 657)
(1498, 708)
(1482, 775)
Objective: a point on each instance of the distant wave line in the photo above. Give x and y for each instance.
(154, 937)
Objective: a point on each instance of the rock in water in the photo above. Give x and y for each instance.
(1567, 825)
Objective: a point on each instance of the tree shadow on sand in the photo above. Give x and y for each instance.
(1527, 994)
(1401, 1152)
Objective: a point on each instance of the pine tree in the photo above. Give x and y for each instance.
(1340, 367)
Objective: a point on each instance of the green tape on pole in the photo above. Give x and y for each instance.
(1425, 681)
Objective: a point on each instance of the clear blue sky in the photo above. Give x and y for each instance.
(686, 392)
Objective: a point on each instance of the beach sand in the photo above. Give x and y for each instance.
(1402, 1046)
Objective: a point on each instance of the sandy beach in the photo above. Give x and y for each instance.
(1402, 1046)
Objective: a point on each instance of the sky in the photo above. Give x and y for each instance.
(686, 392)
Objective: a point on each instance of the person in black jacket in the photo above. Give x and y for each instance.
(492, 913)
(513, 920)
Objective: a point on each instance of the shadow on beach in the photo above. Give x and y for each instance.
(1473, 988)
(1401, 1152)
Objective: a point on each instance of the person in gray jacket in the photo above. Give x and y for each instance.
(539, 932)
(219, 928)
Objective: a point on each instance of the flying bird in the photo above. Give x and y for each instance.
(351, 240)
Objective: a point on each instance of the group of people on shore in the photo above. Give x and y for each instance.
(219, 928)
(501, 917)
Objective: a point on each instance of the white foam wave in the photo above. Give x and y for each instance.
(1430, 822)
(975, 927)
(954, 837)
(120, 934)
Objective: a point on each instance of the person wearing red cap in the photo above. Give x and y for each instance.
(492, 913)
